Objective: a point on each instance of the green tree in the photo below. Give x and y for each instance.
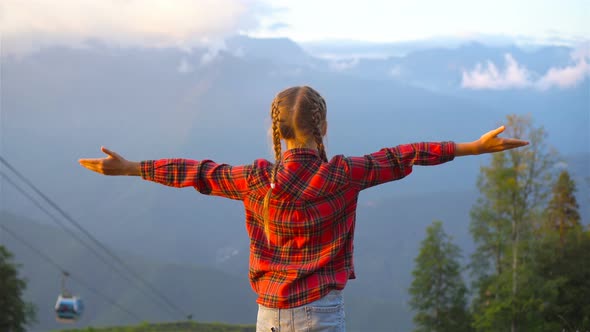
(438, 293)
(563, 295)
(562, 211)
(15, 313)
(513, 190)
(561, 257)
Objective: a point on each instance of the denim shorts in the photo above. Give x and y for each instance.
(323, 315)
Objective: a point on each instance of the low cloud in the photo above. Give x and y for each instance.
(569, 76)
(185, 67)
(212, 52)
(490, 77)
(516, 76)
(565, 77)
(396, 71)
(344, 64)
(28, 25)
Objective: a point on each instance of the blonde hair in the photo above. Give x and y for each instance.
(297, 113)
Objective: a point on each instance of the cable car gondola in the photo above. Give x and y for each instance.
(68, 308)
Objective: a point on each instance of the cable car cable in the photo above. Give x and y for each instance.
(96, 242)
(74, 235)
(61, 269)
(70, 231)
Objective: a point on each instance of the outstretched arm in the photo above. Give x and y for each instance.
(488, 143)
(397, 162)
(113, 164)
(204, 175)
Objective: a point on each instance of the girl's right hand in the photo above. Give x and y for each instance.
(113, 164)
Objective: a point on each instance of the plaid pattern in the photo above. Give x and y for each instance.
(312, 211)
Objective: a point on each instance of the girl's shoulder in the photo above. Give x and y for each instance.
(262, 164)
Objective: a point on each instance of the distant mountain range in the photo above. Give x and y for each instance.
(61, 104)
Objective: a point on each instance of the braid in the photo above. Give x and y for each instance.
(318, 136)
(275, 111)
(276, 136)
(319, 109)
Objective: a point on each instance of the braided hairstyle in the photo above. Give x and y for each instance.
(298, 114)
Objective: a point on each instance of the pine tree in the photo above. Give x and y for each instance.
(561, 267)
(562, 288)
(438, 293)
(562, 210)
(513, 190)
(15, 313)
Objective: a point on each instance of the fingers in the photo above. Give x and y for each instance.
(492, 133)
(92, 164)
(514, 143)
(507, 144)
(97, 164)
(110, 153)
(490, 142)
(497, 131)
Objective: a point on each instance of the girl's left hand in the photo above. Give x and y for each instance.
(490, 142)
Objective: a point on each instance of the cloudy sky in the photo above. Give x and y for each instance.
(395, 20)
(184, 23)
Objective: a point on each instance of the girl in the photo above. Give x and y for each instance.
(300, 210)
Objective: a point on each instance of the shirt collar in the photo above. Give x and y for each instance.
(300, 154)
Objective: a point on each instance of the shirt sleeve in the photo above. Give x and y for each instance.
(206, 176)
(391, 164)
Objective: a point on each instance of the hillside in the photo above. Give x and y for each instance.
(209, 294)
(206, 293)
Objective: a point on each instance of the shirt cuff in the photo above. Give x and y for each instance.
(147, 169)
(448, 151)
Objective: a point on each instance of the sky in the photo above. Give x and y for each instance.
(400, 20)
(27, 24)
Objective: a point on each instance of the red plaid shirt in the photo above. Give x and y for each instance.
(312, 211)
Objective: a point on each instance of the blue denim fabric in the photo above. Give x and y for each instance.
(323, 315)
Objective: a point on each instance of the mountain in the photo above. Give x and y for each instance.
(363, 49)
(281, 50)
